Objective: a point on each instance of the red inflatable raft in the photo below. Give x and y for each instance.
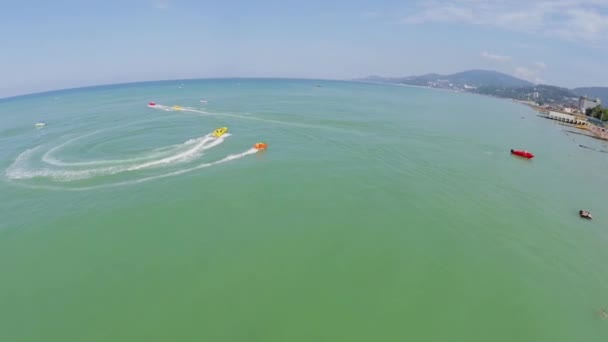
(260, 146)
(521, 153)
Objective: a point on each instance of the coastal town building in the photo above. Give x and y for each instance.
(568, 118)
(569, 109)
(585, 103)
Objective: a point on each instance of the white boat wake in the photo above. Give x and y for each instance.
(41, 164)
(177, 108)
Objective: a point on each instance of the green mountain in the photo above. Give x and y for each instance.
(460, 80)
(478, 78)
(494, 83)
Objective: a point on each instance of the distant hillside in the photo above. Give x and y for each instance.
(594, 92)
(460, 80)
(478, 78)
(540, 93)
(494, 83)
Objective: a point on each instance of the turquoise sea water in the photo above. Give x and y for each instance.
(378, 213)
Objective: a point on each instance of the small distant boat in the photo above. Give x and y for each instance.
(585, 214)
(203, 101)
(40, 124)
(581, 126)
(176, 107)
(151, 104)
(260, 146)
(522, 153)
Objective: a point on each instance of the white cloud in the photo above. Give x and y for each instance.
(582, 20)
(495, 57)
(531, 73)
(582, 24)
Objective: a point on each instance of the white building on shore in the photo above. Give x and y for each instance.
(568, 118)
(584, 103)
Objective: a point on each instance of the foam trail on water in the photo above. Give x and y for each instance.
(147, 179)
(27, 165)
(179, 172)
(200, 146)
(50, 159)
(19, 169)
(194, 110)
(14, 171)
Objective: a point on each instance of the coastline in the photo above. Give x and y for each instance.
(596, 132)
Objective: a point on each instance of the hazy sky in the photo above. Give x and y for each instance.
(57, 44)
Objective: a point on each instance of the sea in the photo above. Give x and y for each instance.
(376, 213)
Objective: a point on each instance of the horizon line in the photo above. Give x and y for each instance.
(13, 97)
(355, 79)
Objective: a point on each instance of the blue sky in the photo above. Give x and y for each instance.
(58, 44)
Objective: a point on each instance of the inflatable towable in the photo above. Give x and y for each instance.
(521, 153)
(260, 146)
(220, 131)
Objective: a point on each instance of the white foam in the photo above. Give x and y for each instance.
(20, 170)
(183, 156)
(43, 161)
(50, 159)
(147, 179)
(179, 172)
(14, 171)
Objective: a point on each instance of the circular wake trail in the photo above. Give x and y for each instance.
(45, 162)
(200, 146)
(150, 178)
(20, 169)
(50, 159)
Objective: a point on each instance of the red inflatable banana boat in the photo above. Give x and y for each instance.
(521, 153)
